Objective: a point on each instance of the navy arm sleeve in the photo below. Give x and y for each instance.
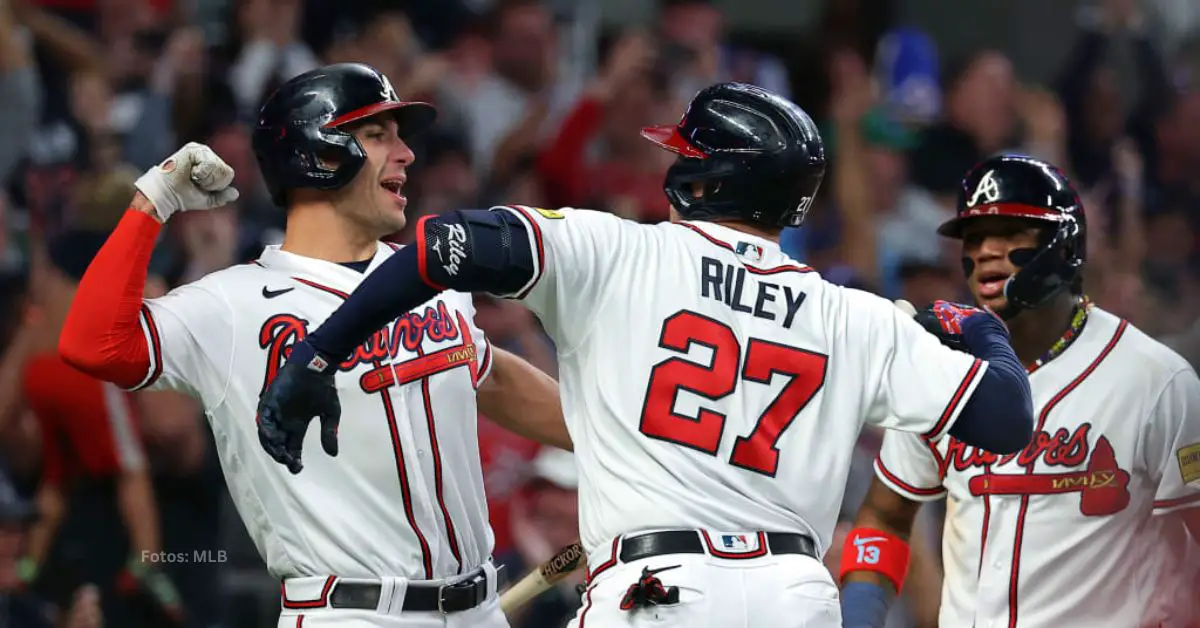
(999, 415)
(865, 605)
(464, 250)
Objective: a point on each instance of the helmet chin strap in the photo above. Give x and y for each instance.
(1010, 309)
(1028, 273)
(1021, 258)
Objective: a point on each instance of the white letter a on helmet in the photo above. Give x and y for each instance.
(986, 191)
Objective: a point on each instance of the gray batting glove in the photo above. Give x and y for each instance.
(193, 178)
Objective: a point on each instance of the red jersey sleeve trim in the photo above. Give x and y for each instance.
(422, 256)
(154, 353)
(536, 231)
(1178, 503)
(894, 482)
(956, 402)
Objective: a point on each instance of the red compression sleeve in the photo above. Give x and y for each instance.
(102, 335)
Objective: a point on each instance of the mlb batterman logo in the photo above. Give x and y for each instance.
(752, 252)
(735, 541)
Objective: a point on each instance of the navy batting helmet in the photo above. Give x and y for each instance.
(758, 156)
(297, 140)
(1030, 189)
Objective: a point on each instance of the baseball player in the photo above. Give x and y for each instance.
(1087, 526)
(395, 533)
(713, 387)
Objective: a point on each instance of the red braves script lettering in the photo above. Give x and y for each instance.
(1060, 449)
(1090, 470)
(281, 331)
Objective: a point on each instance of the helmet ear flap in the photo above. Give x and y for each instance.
(1050, 270)
(329, 160)
(333, 161)
(681, 182)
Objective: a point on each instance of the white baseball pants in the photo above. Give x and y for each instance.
(303, 608)
(781, 591)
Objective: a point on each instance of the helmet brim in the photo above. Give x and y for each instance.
(953, 228)
(413, 117)
(667, 136)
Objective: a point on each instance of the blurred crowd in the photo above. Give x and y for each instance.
(540, 106)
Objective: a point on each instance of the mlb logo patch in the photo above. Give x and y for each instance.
(752, 252)
(733, 543)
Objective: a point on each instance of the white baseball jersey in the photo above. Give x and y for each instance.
(405, 496)
(1071, 531)
(709, 381)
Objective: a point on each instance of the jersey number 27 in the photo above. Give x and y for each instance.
(756, 451)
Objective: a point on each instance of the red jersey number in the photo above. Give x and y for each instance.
(764, 359)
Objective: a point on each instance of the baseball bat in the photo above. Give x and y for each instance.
(540, 580)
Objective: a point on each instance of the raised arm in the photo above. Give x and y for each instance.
(978, 393)
(554, 261)
(998, 414)
(464, 250)
(103, 334)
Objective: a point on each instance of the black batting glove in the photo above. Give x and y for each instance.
(944, 319)
(303, 389)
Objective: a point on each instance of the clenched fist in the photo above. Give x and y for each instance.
(946, 320)
(193, 178)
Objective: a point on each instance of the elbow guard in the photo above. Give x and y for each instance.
(868, 549)
(475, 251)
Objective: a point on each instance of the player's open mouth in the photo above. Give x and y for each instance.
(991, 284)
(393, 186)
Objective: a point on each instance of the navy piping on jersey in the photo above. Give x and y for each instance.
(796, 268)
(357, 266)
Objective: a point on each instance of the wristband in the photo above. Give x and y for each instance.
(868, 549)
